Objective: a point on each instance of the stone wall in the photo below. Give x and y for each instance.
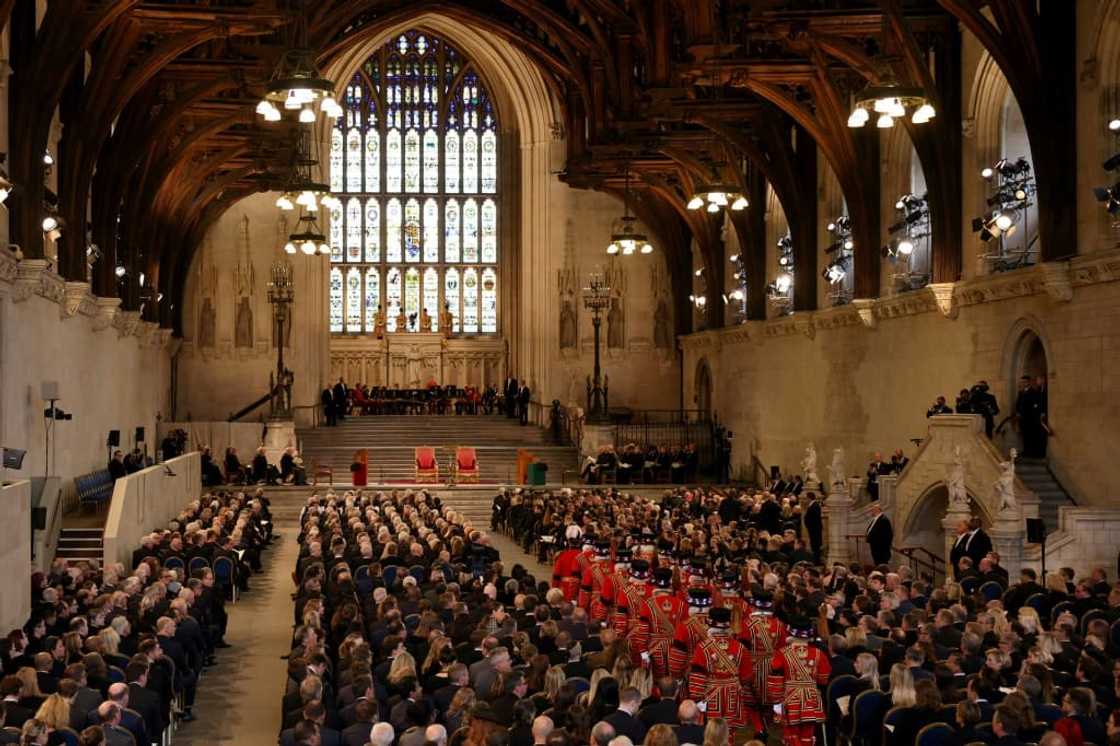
(862, 376)
(15, 554)
(112, 371)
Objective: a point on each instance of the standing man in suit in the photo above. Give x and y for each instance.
(978, 543)
(340, 394)
(327, 400)
(814, 526)
(511, 390)
(523, 402)
(880, 535)
(958, 549)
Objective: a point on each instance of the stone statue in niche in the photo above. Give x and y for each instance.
(245, 280)
(446, 321)
(402, 321)
(954, 482)
(662, 329)
(1003, 492)
(208, 290)
(809, 465)
(568, 329)
(379, 324)
(206, 324)
(837, 471)
(425, 320)
(616, 333)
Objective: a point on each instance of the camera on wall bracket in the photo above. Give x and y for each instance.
(56, 413)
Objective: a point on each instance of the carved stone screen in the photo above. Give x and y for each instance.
(414, 162)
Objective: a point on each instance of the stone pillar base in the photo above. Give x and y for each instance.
(836, 510)
(279, 434)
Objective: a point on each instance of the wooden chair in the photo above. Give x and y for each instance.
(321, 470)
(427, 467)
(466, 465)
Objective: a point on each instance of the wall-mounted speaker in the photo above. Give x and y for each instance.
(114, 438)
(1036, 531)
(48, 390)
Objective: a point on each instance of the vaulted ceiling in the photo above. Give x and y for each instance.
(159, 135)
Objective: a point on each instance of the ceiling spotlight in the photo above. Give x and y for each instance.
(48, 159)
(831, 227)
(699, 272)
(1003, 222)
(50, 223)
(1020, 194)
(987, 172)
(1114, 125)
(848, 244)
(733, 258)
(783, 282)
(905, 247)
(120, 271)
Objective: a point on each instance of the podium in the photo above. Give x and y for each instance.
(524, 458)
(359, 468)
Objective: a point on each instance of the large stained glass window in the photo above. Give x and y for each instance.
(415, 163)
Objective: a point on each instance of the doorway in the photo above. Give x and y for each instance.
(704, 388)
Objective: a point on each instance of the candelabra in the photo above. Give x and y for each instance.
(596, 299)
(281, 295)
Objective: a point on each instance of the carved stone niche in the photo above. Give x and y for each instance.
(943, 296)
(105, 313)
(75, 296)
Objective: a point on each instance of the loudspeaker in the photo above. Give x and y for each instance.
(1036, 531)
(38, 518)
(48, 390)
(775, 472)
(114, 438)
(140, 435)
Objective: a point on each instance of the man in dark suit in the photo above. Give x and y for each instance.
(357, 733)
(15, 713)
(130, 719)
(664, 711)
(978, 543)
(814, 526)
(327, 400)
(770, 516)
(511, 390)
(880, 535)
(523, 396)
(457, 677)
(339, 398)
(1026, 587)
(624, 720)
(143, 700)
(958, 549)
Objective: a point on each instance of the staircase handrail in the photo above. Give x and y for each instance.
(272, 391)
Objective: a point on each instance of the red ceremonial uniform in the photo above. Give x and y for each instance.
(763, 634)
(659, 619)
(595, 574)
(687, 635)
(566, 573)
(628, 602)
(609, 593)
(720, 674)
(796, 674)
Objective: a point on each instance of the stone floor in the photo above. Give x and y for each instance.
(239, 698)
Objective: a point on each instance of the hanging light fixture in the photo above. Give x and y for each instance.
(626, 238)
(300, 188)
(891, 101)
(715, 196)
(308, 238)
(296, 83)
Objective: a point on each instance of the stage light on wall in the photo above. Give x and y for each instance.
(120, 271)
(48, 158)
(1114, 125)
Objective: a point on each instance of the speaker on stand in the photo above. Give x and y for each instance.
(1036, 534)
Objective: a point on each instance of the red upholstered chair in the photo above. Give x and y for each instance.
(427, 468)
(466, 465)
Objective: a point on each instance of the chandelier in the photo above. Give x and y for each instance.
(308, 237)
(626, 238)
(296, 83)
(715, 196)
(301, 189)
(891, 101)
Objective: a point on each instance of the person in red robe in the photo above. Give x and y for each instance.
(663, 611)
(689, 631)
(720, 674)
(566, 574)
(629, 601)
(613, 584)
(797, 673)
(595, 572)
(763, 634)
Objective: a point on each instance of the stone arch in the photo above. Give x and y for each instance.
(925, 523)
(703, 386)
(985, 106)
(1026, 342)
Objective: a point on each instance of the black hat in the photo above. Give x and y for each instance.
(802, 626)
(663, 578)
(699, 598)
(697, 564)
(602, 549)
(719, 618)
(639, 569)
(622, 555)
(761, 598)
(729, 581)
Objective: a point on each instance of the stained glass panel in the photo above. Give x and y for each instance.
(470, 301)
(431, 162)
(373, 297)
(412, 161)
(489, 231)
(489, 162)
(470, 231)
(431, 231)
(336, 160)
(336, 235)
(392, 298)
(336, 300)
(393, 161)
(412, 231)
(354, 160)
(412, 298)
(353, 300)
(451, 231)
(470, 162)
(373, 231)
(451, 162)
(431, 296)
(373, 161)
(393, 230)
(450, 296)
(489, 301)
(353, 230)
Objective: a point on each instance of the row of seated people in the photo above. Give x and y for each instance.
(434, 399)
(634, 464)
(112, 656)
(258, 471)
(872, 654)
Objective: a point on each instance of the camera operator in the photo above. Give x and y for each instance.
(984, 404)
(939, 407)
(964, 403)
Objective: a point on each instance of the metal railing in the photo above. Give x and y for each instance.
(673, 428)
(565, 423)
(931, 564)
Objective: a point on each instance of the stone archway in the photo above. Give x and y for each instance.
(1026, 353)
(925, 526)
(703, 395)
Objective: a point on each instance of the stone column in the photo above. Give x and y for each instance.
(1009, 538)
(887, 484)
(837, 508)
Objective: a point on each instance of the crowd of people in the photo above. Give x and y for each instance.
(113, 656)
(975, 400)
(636, 464)
(994, 659)
(259, 471)
(341, 400)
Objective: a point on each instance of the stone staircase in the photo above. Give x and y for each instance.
(1036, 475)
(75, 544)
(392, 439)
